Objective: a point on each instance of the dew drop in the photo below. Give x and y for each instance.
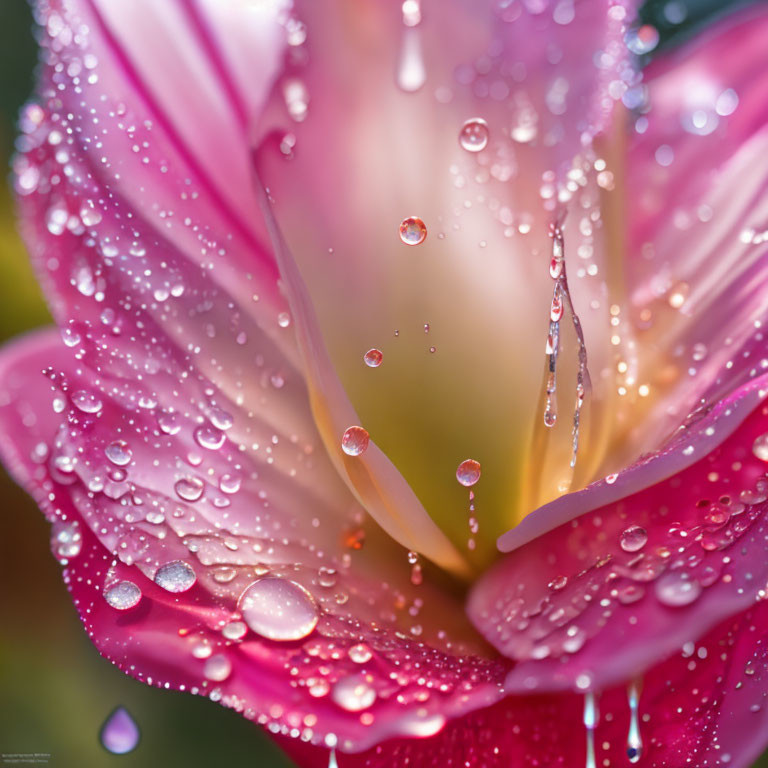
(209, 437)
(633, 538)
(353, 693)
(279, 609)
(760, 447)
(360, 653)
(118, 453)
(229, 483)
(234, 630)
(677, 588)
(413, 231)
(87, 402)
(66, 539)
(89, 214)
(176, 576)
(119, 734)
(122, 595)
(189, 488)
(217, 668)
(468, 472)
(373, 358)
(355, 440)
(474, 135)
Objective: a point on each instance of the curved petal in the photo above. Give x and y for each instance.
(198, 567)
(606, 595)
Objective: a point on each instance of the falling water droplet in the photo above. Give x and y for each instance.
(122, 595)
(468, 472)
(474, 135)
(176, 576)
(633, 538)
(332, 763)
(373, 358)
(590, 722)
(634, 740)
(279, 609)
(413, 231)
(119, 734)
(355, 440)
(411, 73)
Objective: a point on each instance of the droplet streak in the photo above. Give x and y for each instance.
(634, 740)
(590, 723)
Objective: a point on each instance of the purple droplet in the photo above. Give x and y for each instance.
(120, 734)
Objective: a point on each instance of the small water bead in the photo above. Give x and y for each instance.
(468, 472)
(189, 488)
(217, 668)
(234, 630)
(760, 447)
(354, 693)
(89, 214)
(413, 231)
(474, 135)
(283, 319)
(279, 609)
(119, 453)
(122, 595)
(373, 358)
(677, 588)
(230, 483)
(633, 538)
(360, 653)
(209, 437)
(119, 734)
(87, 402)
(354, 441)
(176, 576)
(66, 539)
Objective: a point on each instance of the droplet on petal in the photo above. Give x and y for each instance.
(468, 472)
(373, 358)
(279, 609)
(118, 453)
(413, 231)
(760, 447)
(355, 440)
(353, 693)
(122, 595)
(189, 488)
(633, 538)
(120, 734)
(677, 588)
(474, 135)
(217, 668)
(176, 576)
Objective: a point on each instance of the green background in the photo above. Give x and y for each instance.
(55, 690)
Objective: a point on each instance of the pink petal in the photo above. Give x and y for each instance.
(127, 499)
(609, 593)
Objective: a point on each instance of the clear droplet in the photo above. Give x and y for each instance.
(468, 472)
(760, 447)
(176, 576)
(120, 734)
(217, 668)
(122, 595)
(279, 609)
(677, 588)
(474, 135)
(373, 358)
(234, 630)
(66, 539)
(360, 653)
(209, 437)
(189, 488)
(87, 402)
(354, 693)
(633, 538)
(413, 231)
(355, 441)
(119, 453)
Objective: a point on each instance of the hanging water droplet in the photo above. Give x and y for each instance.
(120, 734)
(122, 595)
(373, 358)
(474, 135)
(468, 472)
(176, 576)
(633, 538)
(354, 693)
(677, 588)
(413, 231)
(118, 453)
(189, 488)
(355, 441)
(634, 740)
(760, 447)
(279, 609)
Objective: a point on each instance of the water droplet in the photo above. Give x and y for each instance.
(360, 653)
(633, 538)
(230, 483)
(590, 722)
(468, 472)
(283, 319)
(474, 135)
(89, 214)
(209, 437)
(119, 453)
(189, 488)
(354, 693)
(677, 588)
(332, 763)
(119, 734)
(373, 358)
(87, 402)
(355, 440)
(234, 630)
(760, 447)
(66, 539)
(176, 576)
(217, 668)
(413, 231)
(634, 740)
(279, 609)
(642, 40)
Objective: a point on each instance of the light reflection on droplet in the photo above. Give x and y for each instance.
(413, 231)
(355, 441)
(474, 135)
(120, 734)
(468, 472)
(279, 609)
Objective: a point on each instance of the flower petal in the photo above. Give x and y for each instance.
(613, 590)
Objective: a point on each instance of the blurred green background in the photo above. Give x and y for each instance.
(55, 690)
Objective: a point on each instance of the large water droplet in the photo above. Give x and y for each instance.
(373, 358)
(122, 595)
(354, 693)
(760, 447)
(677, 588)
(413, 231)
(474, 135)
(355, 441)
(209, 437)
(468, 472)
(120, 734)
(633, 538)
(176, 576)
(217, 668)
(87, 402)
(279, 609)
(119, 453)
(189, 488)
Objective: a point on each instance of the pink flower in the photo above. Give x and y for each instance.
(211, 188)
